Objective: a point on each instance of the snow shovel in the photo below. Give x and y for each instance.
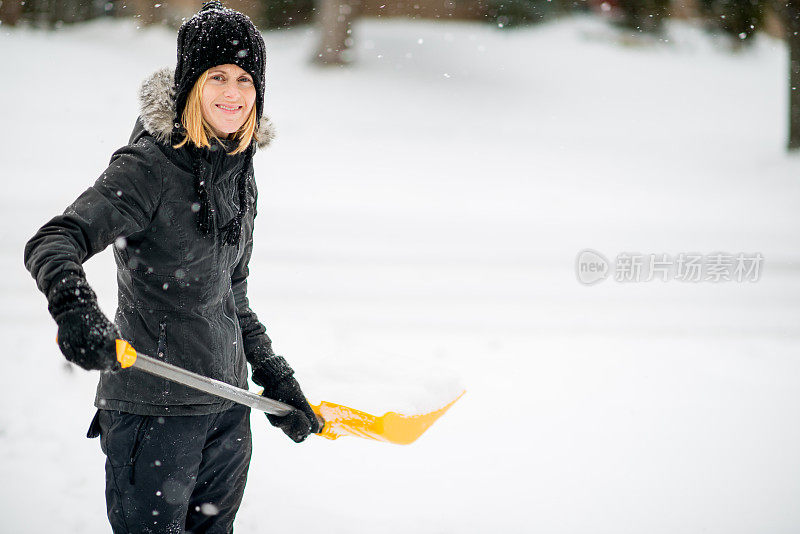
(336, 420)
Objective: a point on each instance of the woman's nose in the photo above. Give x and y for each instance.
(231, 90)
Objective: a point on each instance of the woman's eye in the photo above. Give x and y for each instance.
(217, 77)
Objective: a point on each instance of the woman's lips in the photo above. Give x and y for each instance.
(228, 109)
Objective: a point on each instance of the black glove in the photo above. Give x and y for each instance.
(273, 374)
(85, 335)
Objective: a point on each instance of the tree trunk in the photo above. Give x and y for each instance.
(335, 25)
(643, 15)
(10, 11)
(793, 40)
(789, 11)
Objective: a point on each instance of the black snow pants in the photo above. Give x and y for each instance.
(174, 474)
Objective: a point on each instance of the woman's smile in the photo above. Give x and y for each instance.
(229, 108)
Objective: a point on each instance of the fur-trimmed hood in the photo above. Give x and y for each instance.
(157, 109)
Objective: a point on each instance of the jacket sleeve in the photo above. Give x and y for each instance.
(253, 332)
(121, 202)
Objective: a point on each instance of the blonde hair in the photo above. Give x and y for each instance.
(198, 131)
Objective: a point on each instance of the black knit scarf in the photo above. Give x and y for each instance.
(232, 231)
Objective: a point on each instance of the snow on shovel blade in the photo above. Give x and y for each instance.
(338, 420)
(390, 427)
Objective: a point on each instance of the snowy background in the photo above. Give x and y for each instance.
(419, 219)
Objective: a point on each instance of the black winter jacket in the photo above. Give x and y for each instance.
(182, 294)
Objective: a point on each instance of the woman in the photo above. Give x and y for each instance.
(178, 202)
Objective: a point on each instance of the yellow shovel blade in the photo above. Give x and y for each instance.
(390, 427)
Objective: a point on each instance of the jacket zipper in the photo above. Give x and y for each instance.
(230, 320)
(162, 338)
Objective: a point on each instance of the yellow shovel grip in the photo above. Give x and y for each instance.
(126, 355)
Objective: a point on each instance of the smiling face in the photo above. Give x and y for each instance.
(227, 98)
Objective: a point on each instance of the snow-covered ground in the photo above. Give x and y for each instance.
(419, 220)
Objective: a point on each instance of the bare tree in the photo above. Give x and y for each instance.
(789, 11)
(643, 15)
(334, 20)
(10, 11)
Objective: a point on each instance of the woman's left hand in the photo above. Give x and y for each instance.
(301, 421)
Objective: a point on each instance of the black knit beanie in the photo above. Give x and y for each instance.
(217, 35)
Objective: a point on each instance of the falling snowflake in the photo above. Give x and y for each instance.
(209, 509)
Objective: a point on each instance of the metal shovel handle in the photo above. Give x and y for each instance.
(128, 357)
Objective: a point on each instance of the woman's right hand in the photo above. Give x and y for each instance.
(85, 335)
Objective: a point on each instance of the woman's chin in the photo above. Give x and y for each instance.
(223, 128)
(224, 133)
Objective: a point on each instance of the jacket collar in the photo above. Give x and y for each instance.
(157, 109)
